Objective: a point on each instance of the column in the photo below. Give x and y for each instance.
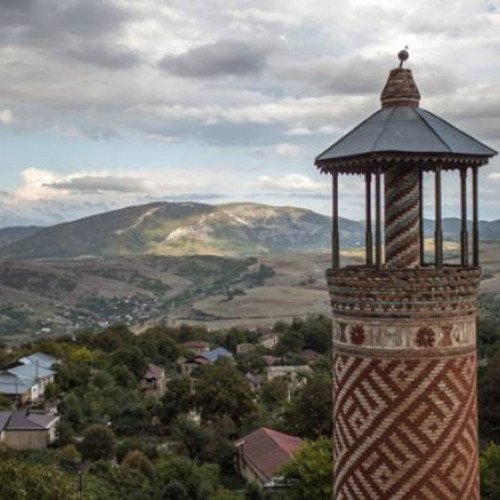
(378, 220)
(335, 220)
(475, 219)
(464, 235)
(438, 229)
(368, 207)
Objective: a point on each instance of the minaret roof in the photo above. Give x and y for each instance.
(401, 127)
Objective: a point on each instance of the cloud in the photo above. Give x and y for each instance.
(290, 182)
(103, 183)
(288, 150)
(6, 116)
(220, 58)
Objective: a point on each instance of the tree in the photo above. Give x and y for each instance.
(291, 341)
(98, 444)
(177, 399)
(310, 472)
(113, 338)
(489, 400)
(138, 461)
(19, 480)
(274, 393)
(317, 332)
(131, 357)
(490, 472)
(310, 411)
(5, 402)
(199, 481)
(221, 390)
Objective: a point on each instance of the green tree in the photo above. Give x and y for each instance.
(5, 402)
(98, 444)
(177, 399)
(113, 338)
(199, 481)
(19, 481)
(131, 357)
(317, 333)
(310, 411)
(274, 393)
(489, 400)
(138, 461)
(292, 341)
(310, 472)
(221, 390)
(490, 472)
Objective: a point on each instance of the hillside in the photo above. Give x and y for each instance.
(186, 228)
(237, 229)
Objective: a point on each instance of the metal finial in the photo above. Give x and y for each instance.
(403, 55)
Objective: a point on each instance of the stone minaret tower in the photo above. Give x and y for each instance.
(404, 330)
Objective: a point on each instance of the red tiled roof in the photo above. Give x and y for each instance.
(271, 360)
(266, 451)
(154, 371)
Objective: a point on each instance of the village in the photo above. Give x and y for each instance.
(268, 373)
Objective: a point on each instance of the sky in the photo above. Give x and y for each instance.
(108, 103)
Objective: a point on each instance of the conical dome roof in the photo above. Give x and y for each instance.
(402, 131)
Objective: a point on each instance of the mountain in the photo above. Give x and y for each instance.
(186, 228)
(198, 229)
(9, 235)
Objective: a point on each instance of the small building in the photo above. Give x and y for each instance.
(28, 429)
(253, 381)
(197, 346)
(262, 454)
(272, 360)
(291, 372)
(40, 359)
(269, 340)
(311, 355)
(207, 358)
(245, 348)
(26, 382)
(154, 383)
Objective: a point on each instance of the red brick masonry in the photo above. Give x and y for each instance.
(405, 409)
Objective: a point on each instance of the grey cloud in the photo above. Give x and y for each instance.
(96, 184)
(108, 57)
(221, 58)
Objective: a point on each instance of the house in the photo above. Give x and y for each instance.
(296, 376)
(40, 359)
(311, 355)
(296, 373)
(253, 381)
(245, 348)
(153, 382)
(269, 340)
(272, 360)
(28, 429)
(207, 358)
(25, 382)
(262, 454)
(197, 346)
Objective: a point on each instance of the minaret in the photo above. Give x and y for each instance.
(404, 330)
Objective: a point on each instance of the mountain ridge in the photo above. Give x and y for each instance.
(190, 228)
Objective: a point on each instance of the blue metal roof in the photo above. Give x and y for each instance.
(215, 354)
(40, 358)
(405, 129)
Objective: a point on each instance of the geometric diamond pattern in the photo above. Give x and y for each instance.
(405, 428)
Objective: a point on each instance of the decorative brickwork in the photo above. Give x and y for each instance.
(405, 428)
(400, 89)
(404, 383)
(402, 242)
(403, 293)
